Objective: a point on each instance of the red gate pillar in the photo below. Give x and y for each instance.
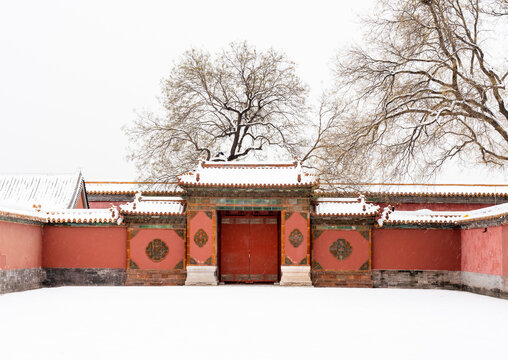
(295, 249)
(201, 247)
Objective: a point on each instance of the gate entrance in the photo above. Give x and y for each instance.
(249, 246)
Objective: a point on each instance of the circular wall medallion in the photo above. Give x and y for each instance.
(157, 250)
(341, 249)
(296, 238)
(200, 238)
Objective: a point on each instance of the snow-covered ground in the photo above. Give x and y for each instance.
(251, 322)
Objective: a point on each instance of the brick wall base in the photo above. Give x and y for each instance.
(485, 284)
(417, 279)
(21, 279)
(84, 277)
(141, 277)
(325, 278)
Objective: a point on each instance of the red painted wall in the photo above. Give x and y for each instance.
(20, 246)
(416, 249)
(84, 247)
(299, 222)
(104, 204)
(360, 250)
(140, 241)
(505, 250)
(201, 221)
(437, 206)
(482, 251)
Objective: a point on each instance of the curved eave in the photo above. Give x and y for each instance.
(13, 215)
(420, 222)
(422, 194)
(82, 221)
(247, 186)
(360, 215)
(483, 218)
(131, 192)
(151, 213)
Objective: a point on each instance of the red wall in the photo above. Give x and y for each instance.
(20, 246)
(482, 251)
(295, 221)
(360, 250)
(84, 247)
(416, 249)
(201, 254)
(505, 250)
(140, 240)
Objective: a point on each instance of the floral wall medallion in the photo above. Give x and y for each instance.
(200, 238)
(157, 250)
(296, 238)
(341, 249)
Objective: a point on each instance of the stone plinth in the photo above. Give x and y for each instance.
(295, 276)
(201, 275)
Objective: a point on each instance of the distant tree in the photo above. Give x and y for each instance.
(239, 102)
(424, 89)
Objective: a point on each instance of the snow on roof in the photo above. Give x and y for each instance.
(154, 206)
(110, 215)
(426, 216)
(130, 188)
(486, 213)
(242, 175)
(447, 190)
(345, 207)
(24, 214)
(55, 191)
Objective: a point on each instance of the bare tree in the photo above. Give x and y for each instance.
(424, 90)
(239, 102)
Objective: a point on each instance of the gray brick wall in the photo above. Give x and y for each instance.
(21, 279)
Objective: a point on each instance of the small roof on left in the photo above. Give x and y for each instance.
(50, 191)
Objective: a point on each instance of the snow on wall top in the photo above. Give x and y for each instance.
(345, 207)
(58, 191)
(426, 216)
(423, 216)
(155, 206)
(65, 215)
(238, 174)
(130, 188)
(447, 190)
(110, 215)
(486, 213)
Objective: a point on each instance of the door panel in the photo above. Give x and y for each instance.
(249, 248)
(234, 249)
(263, 249)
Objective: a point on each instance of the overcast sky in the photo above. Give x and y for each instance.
(73, 72)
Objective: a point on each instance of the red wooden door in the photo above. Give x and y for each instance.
(249, 248)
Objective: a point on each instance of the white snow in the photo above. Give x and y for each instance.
(425, 216)
(117, 187)
(250, 322)
(449, 217)
(491, 211)
(147, 205)
(247, 174)
(110, 215)
(422, 189)
(51, 191)
(344, 207)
